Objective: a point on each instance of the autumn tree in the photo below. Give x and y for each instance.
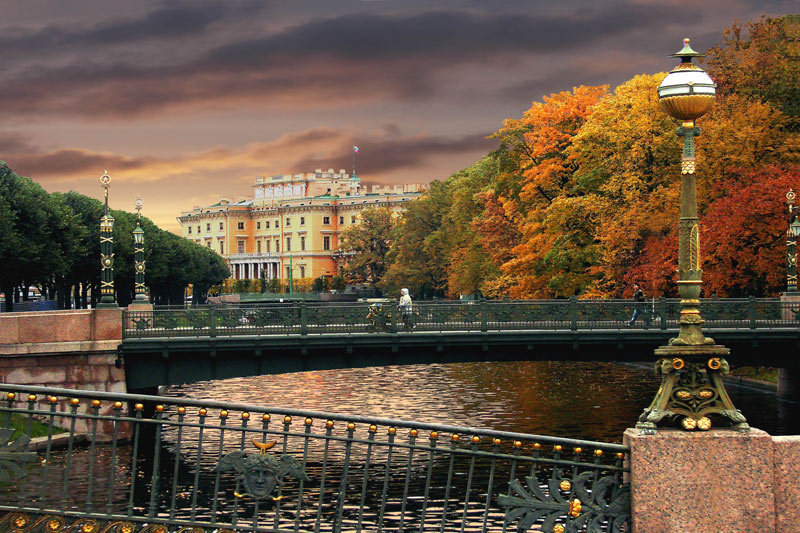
(549, 262)
(419, 256)
(744, 234)
(365, 246)
(758, 61)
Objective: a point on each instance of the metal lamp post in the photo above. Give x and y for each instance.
(792, 233)
(691, 365)
(138, 252)
(106, 251)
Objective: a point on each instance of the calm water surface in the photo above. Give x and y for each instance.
(595, 401)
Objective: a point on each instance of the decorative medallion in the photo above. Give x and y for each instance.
(261, 473)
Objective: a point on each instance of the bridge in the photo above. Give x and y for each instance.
(172, 346)
(132, 463)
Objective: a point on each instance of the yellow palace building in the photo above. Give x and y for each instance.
(291, 225)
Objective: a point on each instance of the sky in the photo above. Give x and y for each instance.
(187, 101)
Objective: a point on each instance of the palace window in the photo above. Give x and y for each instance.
(302, 271)
(221, 226)
(190, 229)
(326, 242)
(258, 225)
(198, 229)
(241, 247)
(240, 225)
(352, 220)
(288, 244)
(266, 224)
(302, 221)
(258, 246)
(288, 272)
(208, 244)
(208, 226)
(341, 220)
(302, 243)
(277, 245)
(221, 247)
(326, 220)
(266, 242)
(288, 222)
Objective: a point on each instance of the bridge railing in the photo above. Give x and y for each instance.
(303, 318)
(156, 463)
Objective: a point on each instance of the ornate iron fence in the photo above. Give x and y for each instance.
(129, 463)
(303, 318)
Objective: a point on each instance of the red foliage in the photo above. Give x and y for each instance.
(743, 233)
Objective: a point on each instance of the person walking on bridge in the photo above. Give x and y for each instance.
(638, 305)
(406, 308)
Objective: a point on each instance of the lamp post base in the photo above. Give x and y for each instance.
(691, 390)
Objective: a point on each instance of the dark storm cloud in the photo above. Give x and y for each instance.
(173, 21)
(326, 63)
(380, 156)
(449, 34)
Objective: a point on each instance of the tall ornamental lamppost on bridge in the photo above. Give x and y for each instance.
(106, 251)
(692, 390)
(792, 233)
(138, 253)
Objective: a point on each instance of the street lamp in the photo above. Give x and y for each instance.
(792, 233)
(138, 252)
(106, 250)
(691, 365)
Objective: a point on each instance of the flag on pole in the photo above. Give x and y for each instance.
(355, 149)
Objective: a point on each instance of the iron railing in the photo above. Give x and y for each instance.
(129, 463)
(304, 318)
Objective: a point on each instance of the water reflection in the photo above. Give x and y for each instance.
(595, 401)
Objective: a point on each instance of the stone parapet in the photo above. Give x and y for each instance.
(715, 481)
(790, 303)
(61, 326)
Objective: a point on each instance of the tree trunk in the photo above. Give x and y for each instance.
(60, 293)
(95, 293)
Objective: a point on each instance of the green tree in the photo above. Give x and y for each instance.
(419, 255)
(365, 246)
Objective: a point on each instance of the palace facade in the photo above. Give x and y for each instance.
(291, 225)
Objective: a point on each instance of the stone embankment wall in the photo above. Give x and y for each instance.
(718, 480)
(74, 349)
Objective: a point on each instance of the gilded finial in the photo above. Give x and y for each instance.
(263, 446)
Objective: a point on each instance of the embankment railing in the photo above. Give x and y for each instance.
(129, 464)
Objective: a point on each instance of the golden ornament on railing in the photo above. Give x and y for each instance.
(574, 508)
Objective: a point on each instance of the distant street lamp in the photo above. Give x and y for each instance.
(106, 250)
(691, 365)
(138, 252)
(792, 233)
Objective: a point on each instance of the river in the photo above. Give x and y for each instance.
(594, 401)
